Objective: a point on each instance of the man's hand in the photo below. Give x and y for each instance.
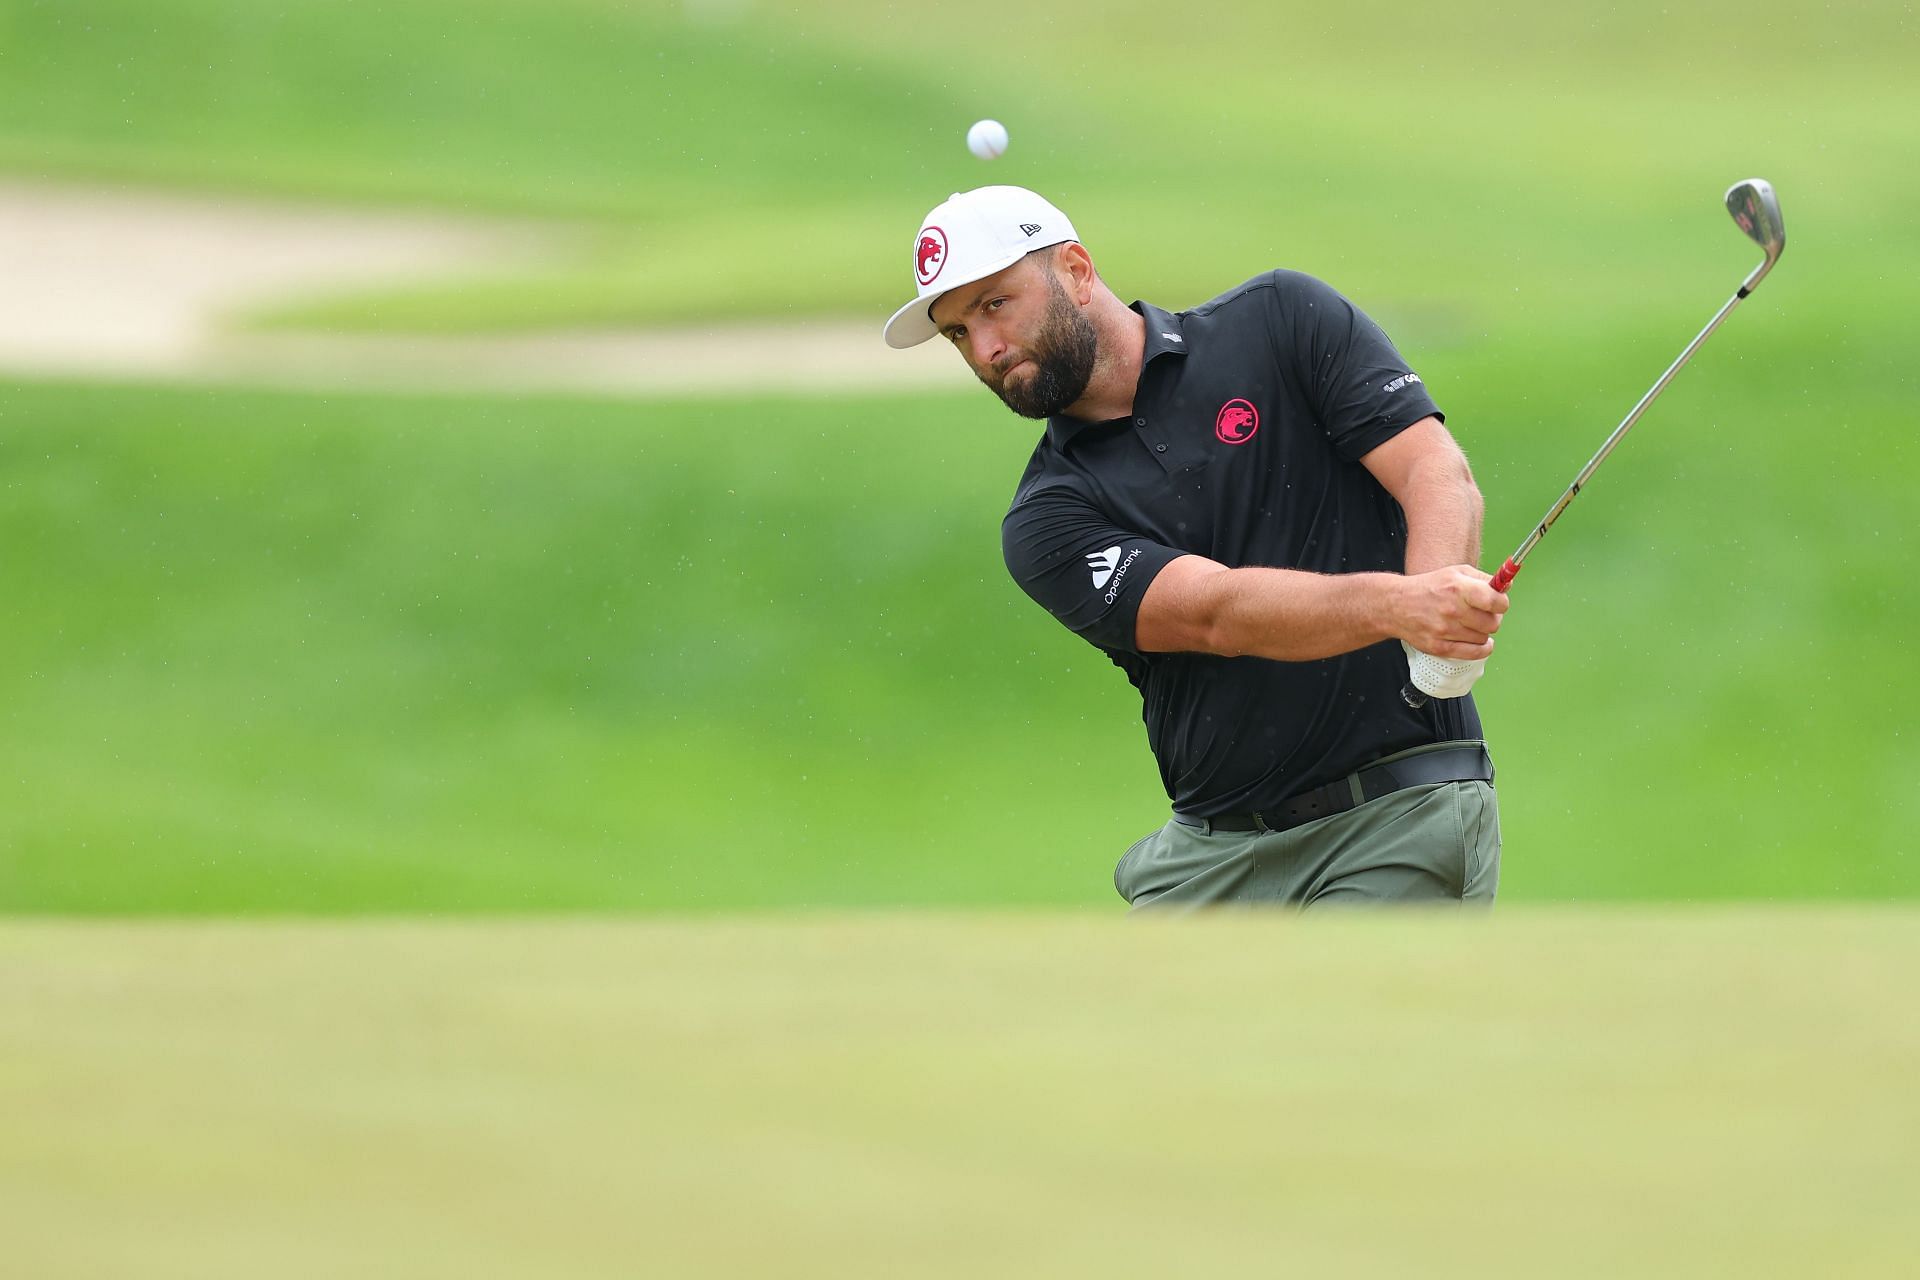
(1449, 613)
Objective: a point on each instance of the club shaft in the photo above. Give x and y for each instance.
(1633, 415)
(1753, 207)
(1504, 578)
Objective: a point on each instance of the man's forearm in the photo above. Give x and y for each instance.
(1443, 509)
(1292, 616)
(1197, 605)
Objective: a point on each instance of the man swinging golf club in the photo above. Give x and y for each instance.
(1253, 508)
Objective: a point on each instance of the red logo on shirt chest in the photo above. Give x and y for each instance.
(1236, 422)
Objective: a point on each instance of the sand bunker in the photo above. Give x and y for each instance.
(123, 283)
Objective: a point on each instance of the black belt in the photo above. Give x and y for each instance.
(1463, 762)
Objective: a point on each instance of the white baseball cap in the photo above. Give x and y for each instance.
(967, 238)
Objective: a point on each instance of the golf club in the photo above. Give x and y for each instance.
(1757, 211)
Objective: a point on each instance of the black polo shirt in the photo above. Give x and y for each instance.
(1248, 424)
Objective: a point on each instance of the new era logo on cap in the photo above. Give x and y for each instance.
(972, 235)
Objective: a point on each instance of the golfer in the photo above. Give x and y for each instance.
(1253, 508)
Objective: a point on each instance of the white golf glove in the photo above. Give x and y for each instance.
(1441, 677)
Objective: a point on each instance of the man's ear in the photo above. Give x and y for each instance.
(1077, 264)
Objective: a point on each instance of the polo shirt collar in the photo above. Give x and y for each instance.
(1164, 337)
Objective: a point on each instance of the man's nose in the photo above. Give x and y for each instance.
(988, 345)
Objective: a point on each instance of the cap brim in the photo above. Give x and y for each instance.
(913, 324)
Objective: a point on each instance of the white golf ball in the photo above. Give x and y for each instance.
(987, 139)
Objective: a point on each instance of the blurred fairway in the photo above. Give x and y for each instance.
(319, 653)
(729, 158)
(1552, 1093)
(336, 653)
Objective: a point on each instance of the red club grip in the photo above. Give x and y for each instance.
(1503, 578)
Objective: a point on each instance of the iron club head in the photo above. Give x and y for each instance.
(1757, 210)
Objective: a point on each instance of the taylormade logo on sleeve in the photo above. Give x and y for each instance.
(1102, 563)
(1107, 566)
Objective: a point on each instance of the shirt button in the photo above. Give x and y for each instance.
(1139, 422)
(1159, 448)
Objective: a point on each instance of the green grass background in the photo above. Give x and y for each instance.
(283, 654)
(298, 653)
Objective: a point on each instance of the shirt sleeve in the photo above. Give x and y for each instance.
(1079, 566)
(1362, 388)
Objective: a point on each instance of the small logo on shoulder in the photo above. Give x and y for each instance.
(1236, 422)
(1400, 382)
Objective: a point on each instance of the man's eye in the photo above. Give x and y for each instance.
(956, 333)
(995, 304)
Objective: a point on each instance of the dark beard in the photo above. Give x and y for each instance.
(1062, 353)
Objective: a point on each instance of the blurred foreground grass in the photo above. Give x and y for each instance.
(1552, 1092)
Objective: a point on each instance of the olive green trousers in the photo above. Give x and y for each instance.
(1438, 843)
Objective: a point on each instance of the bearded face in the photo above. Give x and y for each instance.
(1052, 372)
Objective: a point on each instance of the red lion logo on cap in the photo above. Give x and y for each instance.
(930, 256)
(1236, 422)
